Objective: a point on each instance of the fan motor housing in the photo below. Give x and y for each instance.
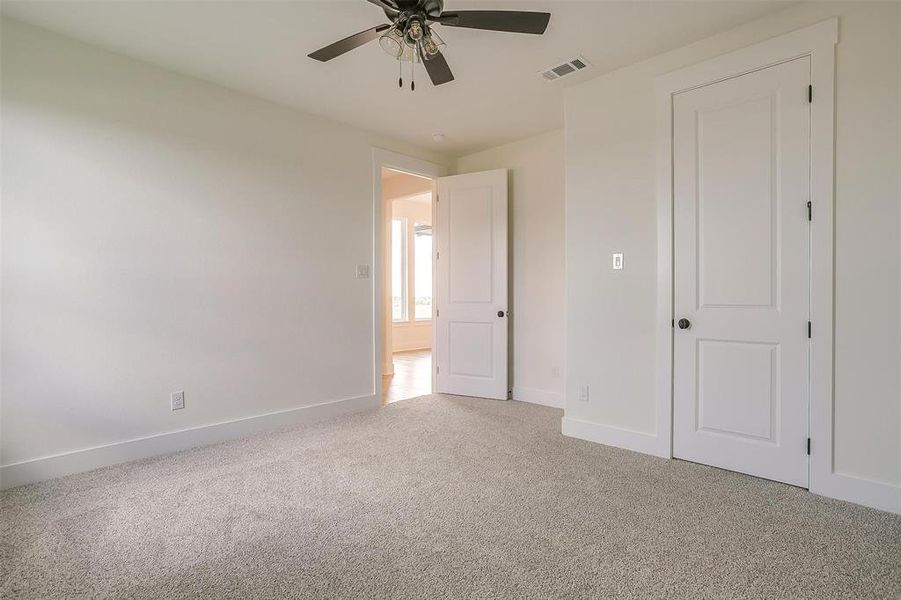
(409, 8)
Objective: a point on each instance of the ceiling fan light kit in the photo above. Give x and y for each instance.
(392, 42)
(432, 45)
(410, 37)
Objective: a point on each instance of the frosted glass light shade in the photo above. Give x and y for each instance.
(392, 42)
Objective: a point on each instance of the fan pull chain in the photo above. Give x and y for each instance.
(400, 73)
(413, 68)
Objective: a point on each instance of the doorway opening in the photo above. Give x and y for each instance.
(408, 282)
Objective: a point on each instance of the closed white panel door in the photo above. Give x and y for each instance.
(740, 159)
(471, 279)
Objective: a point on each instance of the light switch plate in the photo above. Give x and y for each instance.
(362, 271)
(618, 261)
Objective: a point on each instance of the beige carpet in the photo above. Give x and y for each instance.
(437, 497)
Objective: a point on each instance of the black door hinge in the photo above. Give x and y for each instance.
(808, 446)
(809, 330)
(809, 210)
(809, 94)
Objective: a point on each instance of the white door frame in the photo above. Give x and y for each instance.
(408, 164)
(818, 42)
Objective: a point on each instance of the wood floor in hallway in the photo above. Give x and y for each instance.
(412, 376)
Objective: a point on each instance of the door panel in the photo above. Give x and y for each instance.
(470, 349)
(746, 406)
(471, 285)
(721, 203)
(470, 236)
(741, 239)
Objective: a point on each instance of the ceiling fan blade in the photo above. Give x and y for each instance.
(347, 44)
(514, 21)
(438, 69)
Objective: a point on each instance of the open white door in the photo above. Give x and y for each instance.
(470, 224)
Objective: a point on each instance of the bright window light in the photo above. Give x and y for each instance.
(422, 274)
(399, 269)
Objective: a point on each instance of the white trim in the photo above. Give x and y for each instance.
(400, 162)
(78, 461)
(637, 441)
(536, 396)
(818, 42)
(435, 311)
(875, 494)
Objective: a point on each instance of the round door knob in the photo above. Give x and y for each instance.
(684, 323)
(500, 313)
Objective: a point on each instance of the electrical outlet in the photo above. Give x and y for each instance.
(362, 271)
(178, 400)
(555, 372)
(583, 393)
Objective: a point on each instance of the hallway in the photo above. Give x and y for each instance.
(412, 376)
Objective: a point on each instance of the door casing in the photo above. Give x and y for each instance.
(400, 162)
(817, 42)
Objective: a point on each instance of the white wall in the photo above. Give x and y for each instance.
(536, 185)
(611, 206)
(160, 233)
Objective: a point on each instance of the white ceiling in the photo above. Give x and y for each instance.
(260, 48)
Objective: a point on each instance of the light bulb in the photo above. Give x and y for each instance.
(415, 30)
(432, 44)
(413, 33)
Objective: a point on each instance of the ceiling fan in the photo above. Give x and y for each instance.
(409, 36)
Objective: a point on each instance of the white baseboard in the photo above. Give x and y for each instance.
(612, 436)
(536, 396)
(78, 461)
(875, 494)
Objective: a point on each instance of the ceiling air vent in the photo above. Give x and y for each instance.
(567, 68)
